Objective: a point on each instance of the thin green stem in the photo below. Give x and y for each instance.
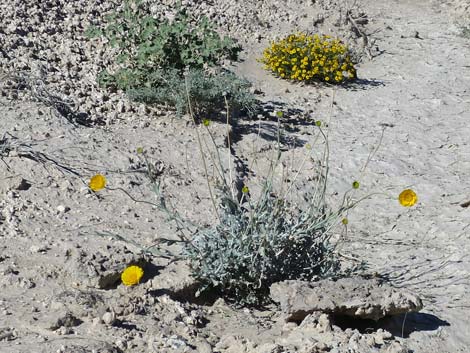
(191, 113)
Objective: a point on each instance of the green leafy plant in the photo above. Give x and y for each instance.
(155, 53)
(146, 41)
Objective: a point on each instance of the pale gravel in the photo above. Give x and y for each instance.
(50, 258)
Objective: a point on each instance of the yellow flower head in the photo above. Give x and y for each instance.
(245, 189)
(97, 182)
(206, 122)
(140, 150)
(132, 275)
(355, 184)
(345, 221)
(407, 198)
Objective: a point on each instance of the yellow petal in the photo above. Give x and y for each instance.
(97, 182)
(132, 275)
(407, 198)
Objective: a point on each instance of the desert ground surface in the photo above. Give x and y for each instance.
(60, 243)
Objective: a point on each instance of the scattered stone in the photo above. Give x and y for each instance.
(7, 334)
(203, 346)
(381, 336)
(311, 337)
(14, 183)
(177, 342)
(121, 344)
(38, 249)
(356, 297)
(109, 318)
(62, 209)
(269, 348)
(65, 320)
(176, 278)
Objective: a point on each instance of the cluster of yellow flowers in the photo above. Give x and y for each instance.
(303, 57)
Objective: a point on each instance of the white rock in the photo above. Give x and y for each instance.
(62, 209)
(109, 318)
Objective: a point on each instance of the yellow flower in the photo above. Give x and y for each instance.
(407, 198)
(206, 122)
(97, 182)
(132, 275)
(355, 184)
(140, 150)
(304, 57)
(345, 221)
(245, 189)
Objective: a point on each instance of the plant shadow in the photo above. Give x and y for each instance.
(401, 325)
(270, 127)
(362, 84)
(405, 324)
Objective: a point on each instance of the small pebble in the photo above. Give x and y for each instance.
(109, 318)
(62, 209)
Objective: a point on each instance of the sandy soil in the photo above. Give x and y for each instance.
(56, 235)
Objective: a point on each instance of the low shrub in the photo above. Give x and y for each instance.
(155, 53)
(256, 245)
(308, 58)
(262, 237)
(207, 91)
(266, 237)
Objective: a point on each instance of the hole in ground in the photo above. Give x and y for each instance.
(398, 325)
(362, 325)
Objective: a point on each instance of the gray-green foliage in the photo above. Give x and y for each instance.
(466, 31)
(268, 241)
(265, 239)
(262, 239)
(154, 53)
(207, 91)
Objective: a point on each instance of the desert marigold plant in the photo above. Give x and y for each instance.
(308, 58)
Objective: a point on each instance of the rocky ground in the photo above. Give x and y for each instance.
(63, 245)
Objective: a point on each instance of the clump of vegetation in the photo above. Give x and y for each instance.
(155, 53)
(264, 238)
(466, 31)
(262, 242)
(208, 91)
(308, 58)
